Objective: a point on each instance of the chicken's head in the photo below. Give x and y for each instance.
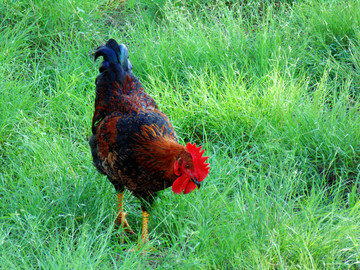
(191, 169)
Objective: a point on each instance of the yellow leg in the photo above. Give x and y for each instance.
(145, 227)
(121, 216)
(144, 234)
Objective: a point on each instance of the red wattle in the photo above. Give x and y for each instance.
(190, 187)
(180, 184)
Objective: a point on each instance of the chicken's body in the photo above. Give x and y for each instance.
(133, 142)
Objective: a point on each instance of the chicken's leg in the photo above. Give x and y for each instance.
(121, 216)
(145, 227)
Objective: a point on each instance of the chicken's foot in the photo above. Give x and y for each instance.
(144, 235)
(145, 232)
(145, 227)
(121, 216)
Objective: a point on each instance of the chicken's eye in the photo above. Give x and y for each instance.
(187, 166)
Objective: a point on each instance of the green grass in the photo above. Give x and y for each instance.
(269, 88)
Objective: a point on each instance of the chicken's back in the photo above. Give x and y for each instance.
(117, 88)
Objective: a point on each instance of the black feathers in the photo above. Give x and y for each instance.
(114, 53)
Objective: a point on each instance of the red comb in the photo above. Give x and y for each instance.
(201, 168)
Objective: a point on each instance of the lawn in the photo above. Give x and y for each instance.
(271, 89)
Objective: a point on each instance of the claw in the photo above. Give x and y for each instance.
(121, 221)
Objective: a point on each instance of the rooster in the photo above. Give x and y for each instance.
(133, 142)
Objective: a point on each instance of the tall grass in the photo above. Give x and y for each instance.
(270, 88)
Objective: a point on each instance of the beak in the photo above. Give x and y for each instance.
(196, 182)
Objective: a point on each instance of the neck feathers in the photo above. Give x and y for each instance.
(157, 154)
